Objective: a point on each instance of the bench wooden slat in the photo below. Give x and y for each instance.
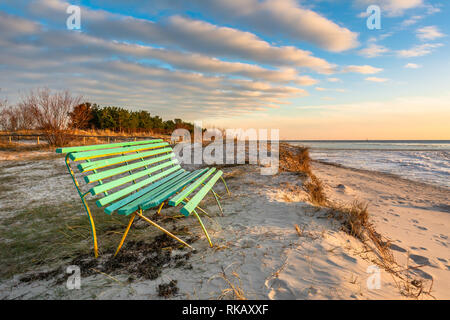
(112, 172)
(135, 204)
(179, 180)
(118, 182)
(77, 156)
(105, 146)
(94, 165)
(182, 195)
(169, 192)
(125, 191)
(195, 200)
(118, 204)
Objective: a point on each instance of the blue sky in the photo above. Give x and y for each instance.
(309, 68)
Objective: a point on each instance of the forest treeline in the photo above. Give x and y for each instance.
(58, 113)
(92, 116)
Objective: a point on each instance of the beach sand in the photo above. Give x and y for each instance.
(261, 254)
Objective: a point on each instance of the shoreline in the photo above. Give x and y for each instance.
(422, 162)
(387, 174)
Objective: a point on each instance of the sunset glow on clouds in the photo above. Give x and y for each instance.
(236, 62)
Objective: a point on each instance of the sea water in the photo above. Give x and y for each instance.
(424, 161)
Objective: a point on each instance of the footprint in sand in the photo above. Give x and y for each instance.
(348, 258)
(442, 243)
(397, 248)
(419, 259)
(422, 274)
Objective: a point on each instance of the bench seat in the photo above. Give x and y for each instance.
(130, 177)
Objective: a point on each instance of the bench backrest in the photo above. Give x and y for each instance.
(118, 169)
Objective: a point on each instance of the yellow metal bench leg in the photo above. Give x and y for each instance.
(86, 206)
(218, 195)
(92, 223)
(160, 207)
(203, 228)
(125, 233)
(162, 229)
(217, 200)
(225, 184)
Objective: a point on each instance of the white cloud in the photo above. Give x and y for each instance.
(431, 9)
(333, 79)
(412, 66)
(207, 64)
(419, 50)
(327, 89)
(429, 33)
(392, 7)
(373, 50)
(101, 70)
(366, 69)
(229, 42)
(176, 32)
(375, 79)
(410, 21)
(288, 18)
(11, 26)
(275, 17)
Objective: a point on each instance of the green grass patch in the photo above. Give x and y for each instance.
(47, 236)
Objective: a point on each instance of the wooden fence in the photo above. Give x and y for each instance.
(38, 138)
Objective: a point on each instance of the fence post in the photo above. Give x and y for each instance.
(37, 139)
(10, 139)
(84, 140)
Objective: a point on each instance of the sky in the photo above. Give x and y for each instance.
(312, 69)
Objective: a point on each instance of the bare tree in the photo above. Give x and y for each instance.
(3, 115)
(51, 112)
(9, 117)
(26, 118)
(14, 118)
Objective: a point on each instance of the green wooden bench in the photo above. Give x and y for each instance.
(130, 177)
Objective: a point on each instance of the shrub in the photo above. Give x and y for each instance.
(51, 112)
(295, 159)
(314, 188)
